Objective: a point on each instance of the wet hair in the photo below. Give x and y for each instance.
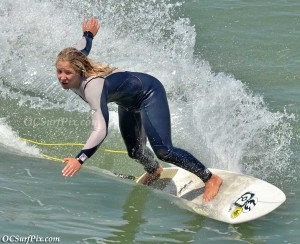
(82, 64)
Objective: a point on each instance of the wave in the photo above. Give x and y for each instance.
(214, 115)
(11, 142)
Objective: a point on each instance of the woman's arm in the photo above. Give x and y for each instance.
(90, 29)
(100, 115)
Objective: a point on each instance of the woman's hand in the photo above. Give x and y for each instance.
(92, 25)
(72, 167)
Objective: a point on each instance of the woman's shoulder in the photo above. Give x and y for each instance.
(96, 77)
(92, 80)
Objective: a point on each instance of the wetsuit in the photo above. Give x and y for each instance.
(143, 113)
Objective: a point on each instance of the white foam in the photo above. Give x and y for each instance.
(10, 141)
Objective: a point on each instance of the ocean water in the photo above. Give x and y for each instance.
(231, 73)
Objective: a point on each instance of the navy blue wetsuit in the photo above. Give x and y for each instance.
(143, 113)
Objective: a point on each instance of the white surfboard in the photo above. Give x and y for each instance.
(241, 198)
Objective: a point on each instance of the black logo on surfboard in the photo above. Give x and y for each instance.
(244, 204)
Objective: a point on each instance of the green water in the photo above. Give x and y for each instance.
(230, 69)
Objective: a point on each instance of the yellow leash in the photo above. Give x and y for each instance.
(129, 177)
(69, 144)
(52, 158)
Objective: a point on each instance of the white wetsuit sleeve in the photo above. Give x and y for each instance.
(85, 43)
(93, 93)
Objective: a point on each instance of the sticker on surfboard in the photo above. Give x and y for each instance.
(244, 204)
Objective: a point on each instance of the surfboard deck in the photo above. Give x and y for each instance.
(241, 198)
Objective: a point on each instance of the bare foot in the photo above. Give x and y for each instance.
(212, 187)
(148, 178)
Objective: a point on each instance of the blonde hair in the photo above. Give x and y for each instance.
(82, 64)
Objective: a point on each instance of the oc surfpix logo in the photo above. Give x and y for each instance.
(244, 204)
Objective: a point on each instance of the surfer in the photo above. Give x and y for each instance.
(142, 108)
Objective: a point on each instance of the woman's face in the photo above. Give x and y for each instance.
(67, 76)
